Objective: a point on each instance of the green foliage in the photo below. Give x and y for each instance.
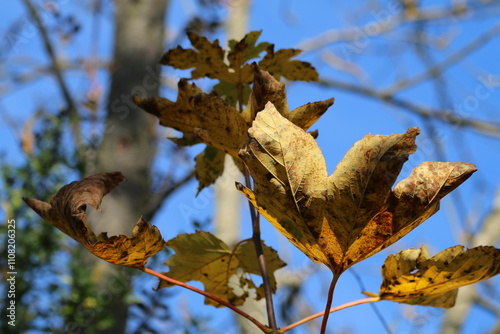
(36, 243)
(38, 249)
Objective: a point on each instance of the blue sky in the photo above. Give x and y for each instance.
(288, 24)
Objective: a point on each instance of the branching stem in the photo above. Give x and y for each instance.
(271, 317)
(268, 293)
(261, 326)
(334, 309)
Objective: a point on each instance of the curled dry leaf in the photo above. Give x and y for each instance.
(203, 257)
(66, 211)
(413, 277)
(344, 218)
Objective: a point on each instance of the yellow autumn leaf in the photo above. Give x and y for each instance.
(280, 65)
(208, 60)
(413, 277)
(178, 115)
(217, 123)
(245, 49)
(203, 257)
(66, 211)
(343, 218)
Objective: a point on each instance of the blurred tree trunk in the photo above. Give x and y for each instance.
(128, 144)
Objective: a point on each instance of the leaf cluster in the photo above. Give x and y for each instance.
(338, 219)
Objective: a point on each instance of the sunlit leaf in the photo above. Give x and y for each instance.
(203, 257)
(66, 211)
(341, 219)
(280, 65)
(217, 123)
(413, 277)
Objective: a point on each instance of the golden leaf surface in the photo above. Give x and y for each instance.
(343, 218)
(66, 211)
(208, 60)
(413, 277)
(203, 257)
(280, 65)
(217, 123)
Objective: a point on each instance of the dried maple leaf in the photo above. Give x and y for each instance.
(66, 211)
(354, 213)
(279, 65)
(413, 277)
(218, 123)
(208, 60)
(203, 257)
(246, 49)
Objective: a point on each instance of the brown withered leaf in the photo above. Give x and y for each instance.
(218, 123)
(267, 89)
(279, 65)
(66, 211)
(203, 257)
(413, 277)
(208, 58)
(341, 219)
(179, 114)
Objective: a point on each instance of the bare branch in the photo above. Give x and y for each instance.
(157, 200)
(394, 21)
(70, 110)
(491, 129)
(439, 68)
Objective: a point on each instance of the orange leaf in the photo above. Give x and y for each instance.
(66, 211)
(344, 218)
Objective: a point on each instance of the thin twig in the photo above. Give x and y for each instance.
(334, 309)
(268, 293)
(437, 69)
(56, 70)
(157, 199)
(170, 280)
(396, 20)
(490, 129)
(374, 306)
